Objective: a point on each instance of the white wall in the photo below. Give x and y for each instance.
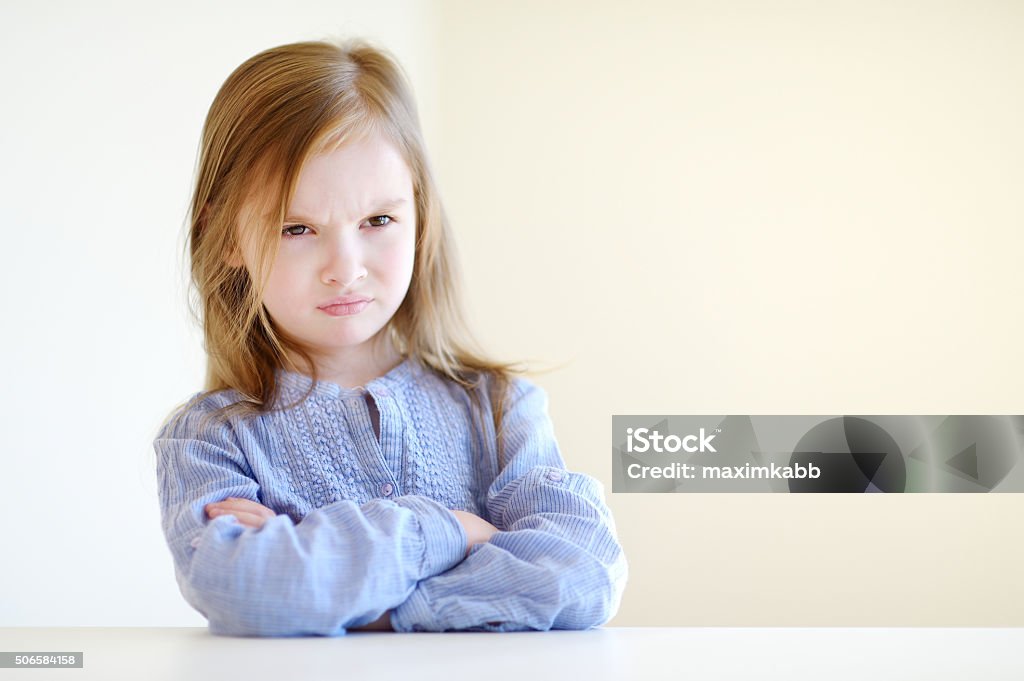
(102, 110)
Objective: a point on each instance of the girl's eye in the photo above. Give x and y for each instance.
(386, 220)
(376, 222)
(287, 230)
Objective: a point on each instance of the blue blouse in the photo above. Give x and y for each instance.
(362, 480)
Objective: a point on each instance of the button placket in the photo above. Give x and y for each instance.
(379, 395)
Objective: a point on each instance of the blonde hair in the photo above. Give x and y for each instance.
(275, 111)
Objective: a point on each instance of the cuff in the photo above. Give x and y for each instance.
(415, 614)
(444, 540)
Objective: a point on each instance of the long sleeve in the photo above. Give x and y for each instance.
(342, 566)
(555, 563)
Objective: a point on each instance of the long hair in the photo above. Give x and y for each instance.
(275, 111)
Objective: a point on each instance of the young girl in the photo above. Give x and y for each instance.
(353, 462)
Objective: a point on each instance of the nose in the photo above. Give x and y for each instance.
(343, 264)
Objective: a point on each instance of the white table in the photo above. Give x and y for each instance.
(621, 653)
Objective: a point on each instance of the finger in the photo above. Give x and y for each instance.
(244, 505)
(236, 505)
(236, 502)
(250, 520)
(243, 517)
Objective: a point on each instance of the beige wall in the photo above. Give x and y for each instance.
(755, 208)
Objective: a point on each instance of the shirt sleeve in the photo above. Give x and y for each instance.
(555, 562)
(342, 566)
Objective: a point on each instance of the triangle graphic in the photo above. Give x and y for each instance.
(966, 462)
(868, 462)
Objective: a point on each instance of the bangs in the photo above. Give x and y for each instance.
(355, 128)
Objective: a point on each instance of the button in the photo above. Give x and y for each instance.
(554, 476)
(382, 392)
(386, 489)
(194, 542)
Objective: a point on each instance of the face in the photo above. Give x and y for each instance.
(346, 254)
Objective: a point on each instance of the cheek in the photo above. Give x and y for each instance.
(395, 263)
(284, 287)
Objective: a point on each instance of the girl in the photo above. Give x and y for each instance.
(354, 462)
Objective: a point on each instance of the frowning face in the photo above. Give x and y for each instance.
(346, 254)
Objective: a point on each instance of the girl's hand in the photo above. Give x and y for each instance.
(478, 530)
(247, 511)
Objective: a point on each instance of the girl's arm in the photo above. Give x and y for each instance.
(343, 566)
(254, 515)
(555, 563)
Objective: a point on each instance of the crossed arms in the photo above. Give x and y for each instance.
(546, 557)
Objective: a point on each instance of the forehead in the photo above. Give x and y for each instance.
(352, 180)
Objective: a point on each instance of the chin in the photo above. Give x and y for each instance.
(345, 341)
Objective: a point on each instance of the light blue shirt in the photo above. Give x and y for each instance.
(363, 522)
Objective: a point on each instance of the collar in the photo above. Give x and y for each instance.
(401, 374)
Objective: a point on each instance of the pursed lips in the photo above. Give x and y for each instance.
(346, 300)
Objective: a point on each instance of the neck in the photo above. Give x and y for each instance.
(359, 366)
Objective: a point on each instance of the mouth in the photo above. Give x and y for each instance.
(342, 307)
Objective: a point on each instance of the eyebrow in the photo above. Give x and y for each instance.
(384, 204)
